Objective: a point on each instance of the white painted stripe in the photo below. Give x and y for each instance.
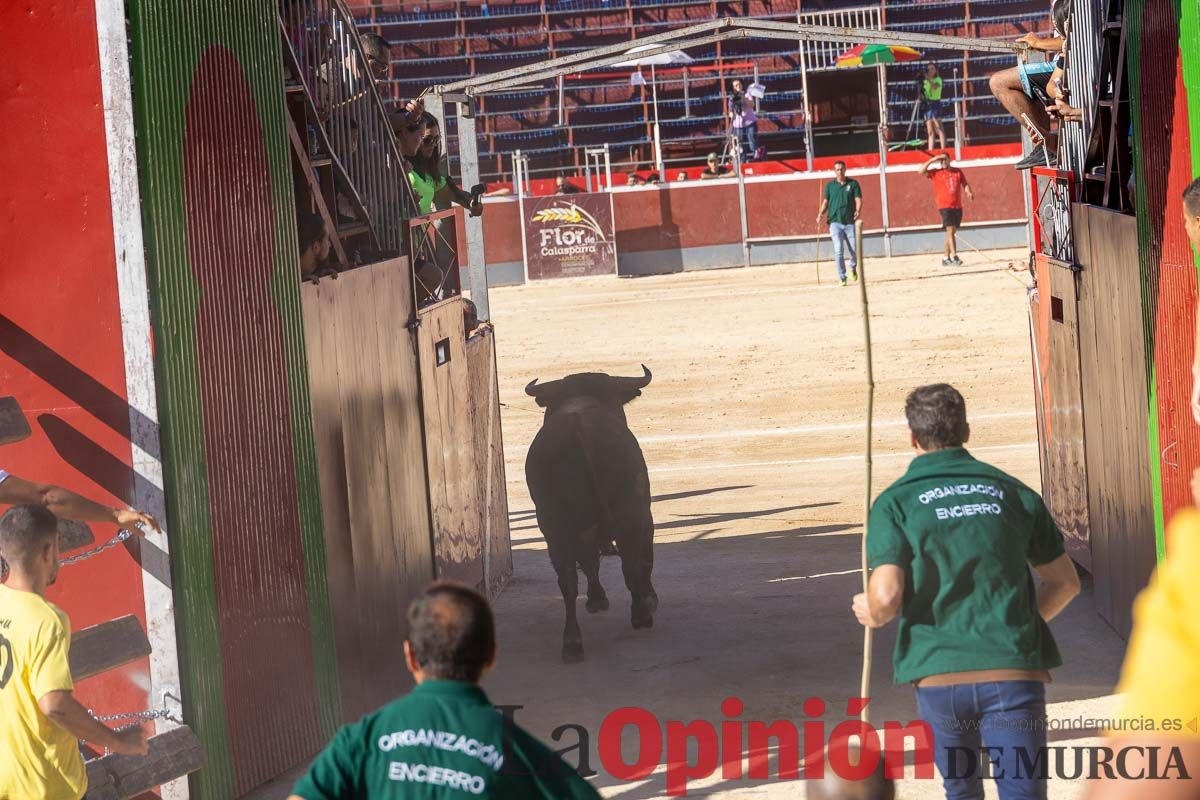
(823, 459)
(802, 429)
(818, 575)
(139, 362)
(759, 433)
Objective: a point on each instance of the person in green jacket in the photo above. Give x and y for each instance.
(445, 739)
(951, 545)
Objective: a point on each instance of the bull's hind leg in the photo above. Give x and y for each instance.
(636, 563)
(589, 562)
(568, 584)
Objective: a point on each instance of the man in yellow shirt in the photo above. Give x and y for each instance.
(40, 720)
(1161, 678)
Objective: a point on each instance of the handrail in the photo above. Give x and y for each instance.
(352, 116)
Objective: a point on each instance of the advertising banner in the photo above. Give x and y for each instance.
(569, 235)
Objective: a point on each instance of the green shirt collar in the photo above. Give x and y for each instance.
(460, 689)
(938, 459)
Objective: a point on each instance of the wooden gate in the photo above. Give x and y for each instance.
(450, 442)
(1054, 316)
(1114, 380)
(367, 415)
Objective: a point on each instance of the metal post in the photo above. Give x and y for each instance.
(587, 169)
(657, 144)
(737, 165)
(808, 137)
(562, 111)
(607, 169)
(756, 81)
(687, 95)
(958, 126)
(519, 165)
(883, 161)
(468, 161)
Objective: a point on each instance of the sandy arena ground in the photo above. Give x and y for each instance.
(753, 433)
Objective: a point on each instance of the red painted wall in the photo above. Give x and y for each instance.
(1178, 435)
(696, 214)
(60, 328)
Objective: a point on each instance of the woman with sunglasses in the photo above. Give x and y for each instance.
(435, 189)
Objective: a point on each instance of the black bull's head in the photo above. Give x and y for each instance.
(596, 385)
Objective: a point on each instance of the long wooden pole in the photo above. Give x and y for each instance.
(865, 685)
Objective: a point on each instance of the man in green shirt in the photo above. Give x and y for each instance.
(445, 739)
(950, 545)
(842, 198)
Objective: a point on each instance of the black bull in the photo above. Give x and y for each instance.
(588, 481)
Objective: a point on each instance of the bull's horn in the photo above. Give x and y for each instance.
(530, 388)
(638, 383)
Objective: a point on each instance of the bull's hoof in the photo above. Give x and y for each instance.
(597, 603)
(642, 618)
(572, 652)
(651, 602)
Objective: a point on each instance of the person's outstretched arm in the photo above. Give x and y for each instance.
(69, 505)
(65, 711)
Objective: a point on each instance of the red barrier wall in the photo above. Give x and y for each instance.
(677, 216)
(61, 353)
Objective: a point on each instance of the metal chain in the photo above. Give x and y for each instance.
(113, 542)
(136, 718)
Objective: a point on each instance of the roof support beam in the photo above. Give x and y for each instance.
(708, 33)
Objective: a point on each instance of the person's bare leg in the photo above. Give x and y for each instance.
(1006, 87)
(951, 243)
(941, 133)
(946, 245)
(929, 130)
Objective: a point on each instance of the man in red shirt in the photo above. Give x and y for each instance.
(949, 183)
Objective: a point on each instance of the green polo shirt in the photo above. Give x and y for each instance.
(965, 534)
(932, 89)
(425, 188)
(443, 740)
(840, 197)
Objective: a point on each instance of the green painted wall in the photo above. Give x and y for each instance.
(168, 39)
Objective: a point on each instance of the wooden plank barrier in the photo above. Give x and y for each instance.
(491, 490)
(13, 425)
(73, 535)
(450, 443)
(107, 646)
(172, 755)
(365, 388)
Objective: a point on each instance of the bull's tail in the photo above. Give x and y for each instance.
(601, 533)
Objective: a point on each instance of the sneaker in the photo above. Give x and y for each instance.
(946, 262)
(956, 261)
(1036, 158)
(853, 276)
(841, 281)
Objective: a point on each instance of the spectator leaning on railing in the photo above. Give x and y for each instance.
(1028, 89)
(436, 189)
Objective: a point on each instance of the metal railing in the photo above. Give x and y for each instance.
(433, 243)
(1085, 39)
(337, 74)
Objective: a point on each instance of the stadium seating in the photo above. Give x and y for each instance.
(442, 42)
